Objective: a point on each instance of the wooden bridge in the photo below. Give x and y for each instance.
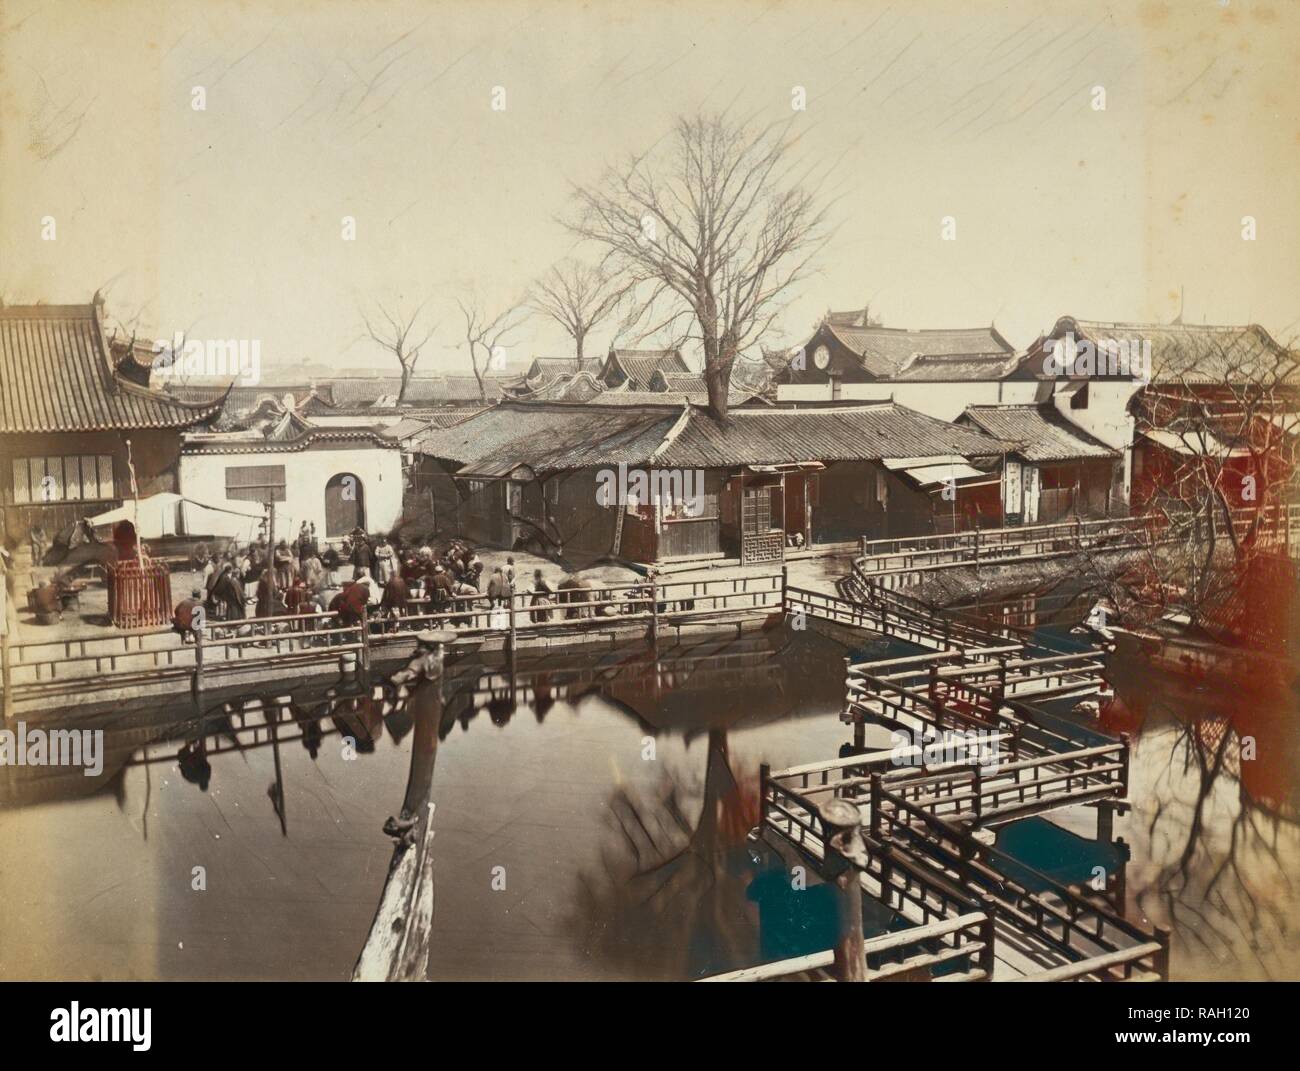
(981, 755)
(898, 562)
(151, 661)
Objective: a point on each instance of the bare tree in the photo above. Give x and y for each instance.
(395, 331)
(487, 335)
(718, 222)
(1217, 495)
(578, 297)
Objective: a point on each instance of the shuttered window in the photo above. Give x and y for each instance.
(253, 483)
(87, 478)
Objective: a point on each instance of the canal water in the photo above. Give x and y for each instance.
(590, 819)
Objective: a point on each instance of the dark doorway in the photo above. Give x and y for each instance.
(345, 505)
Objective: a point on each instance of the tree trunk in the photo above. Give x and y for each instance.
(407, 372)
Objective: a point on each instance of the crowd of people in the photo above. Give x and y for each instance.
(379, 579)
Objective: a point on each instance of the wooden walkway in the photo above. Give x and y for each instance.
(923, 814)
(157, 660)
(898, 562)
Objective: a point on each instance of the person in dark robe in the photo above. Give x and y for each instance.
(183, 615)
(396, 595)
(362, 556)
(350, 603)
(542, 592)
(228, 594)
(268, 602)
(441, 588)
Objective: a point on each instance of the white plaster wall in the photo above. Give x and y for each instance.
(378, 469)
(1106, 417)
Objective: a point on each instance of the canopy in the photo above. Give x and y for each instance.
(167, 514)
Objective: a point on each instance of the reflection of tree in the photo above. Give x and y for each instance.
(677, 886)
(1224, 854)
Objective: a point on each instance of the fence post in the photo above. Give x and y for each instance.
(977, 548)
(513, 638)
(198, 660)
(1124, 760)
(986, 959)
(654, 611)
(1162, 957)
(365, 638)
(764, 775)
(875, 806)
(785, 585)
(843, 832)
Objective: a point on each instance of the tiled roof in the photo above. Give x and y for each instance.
(1197, 354)
(550, 437)
(640, 365)
(423, 390)
(546, 367)
(56, 375)
(776, 435)
(885, 352)
(693, 386)
(557, 436)
(1040, 432)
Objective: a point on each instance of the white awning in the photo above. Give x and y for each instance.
(1193, 443)
(928, 475)
(893, 464)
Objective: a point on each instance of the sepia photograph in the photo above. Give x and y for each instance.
(726, 491)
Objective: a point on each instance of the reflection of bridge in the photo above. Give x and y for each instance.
(910, 826)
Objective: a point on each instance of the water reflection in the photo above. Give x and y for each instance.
(1215, 826)
(592, 812)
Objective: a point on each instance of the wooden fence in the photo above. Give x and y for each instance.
(220, 650)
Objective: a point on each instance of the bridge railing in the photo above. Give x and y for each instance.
(1099, 942)
(902, 884)
(996, 544)
(916, 950)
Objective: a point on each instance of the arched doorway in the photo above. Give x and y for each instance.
(345, 505)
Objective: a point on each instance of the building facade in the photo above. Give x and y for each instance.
(76, 438)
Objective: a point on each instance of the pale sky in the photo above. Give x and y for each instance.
(226, 222)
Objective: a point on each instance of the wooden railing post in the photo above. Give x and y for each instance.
(1161, 958)
(986, 960)
(1124, 761)
(785, 587)
(198, 661)
(654, 612)
(764, 776)
(513, 638)
(365, 638)
(843, 833)
(875, 806)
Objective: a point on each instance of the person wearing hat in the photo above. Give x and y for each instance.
(441, 587)
(183, 615)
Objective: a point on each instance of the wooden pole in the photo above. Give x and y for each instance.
(654, 612)
(845, 852)
(513, 638)
(198, 662)
(365, 637)
(270, 545)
